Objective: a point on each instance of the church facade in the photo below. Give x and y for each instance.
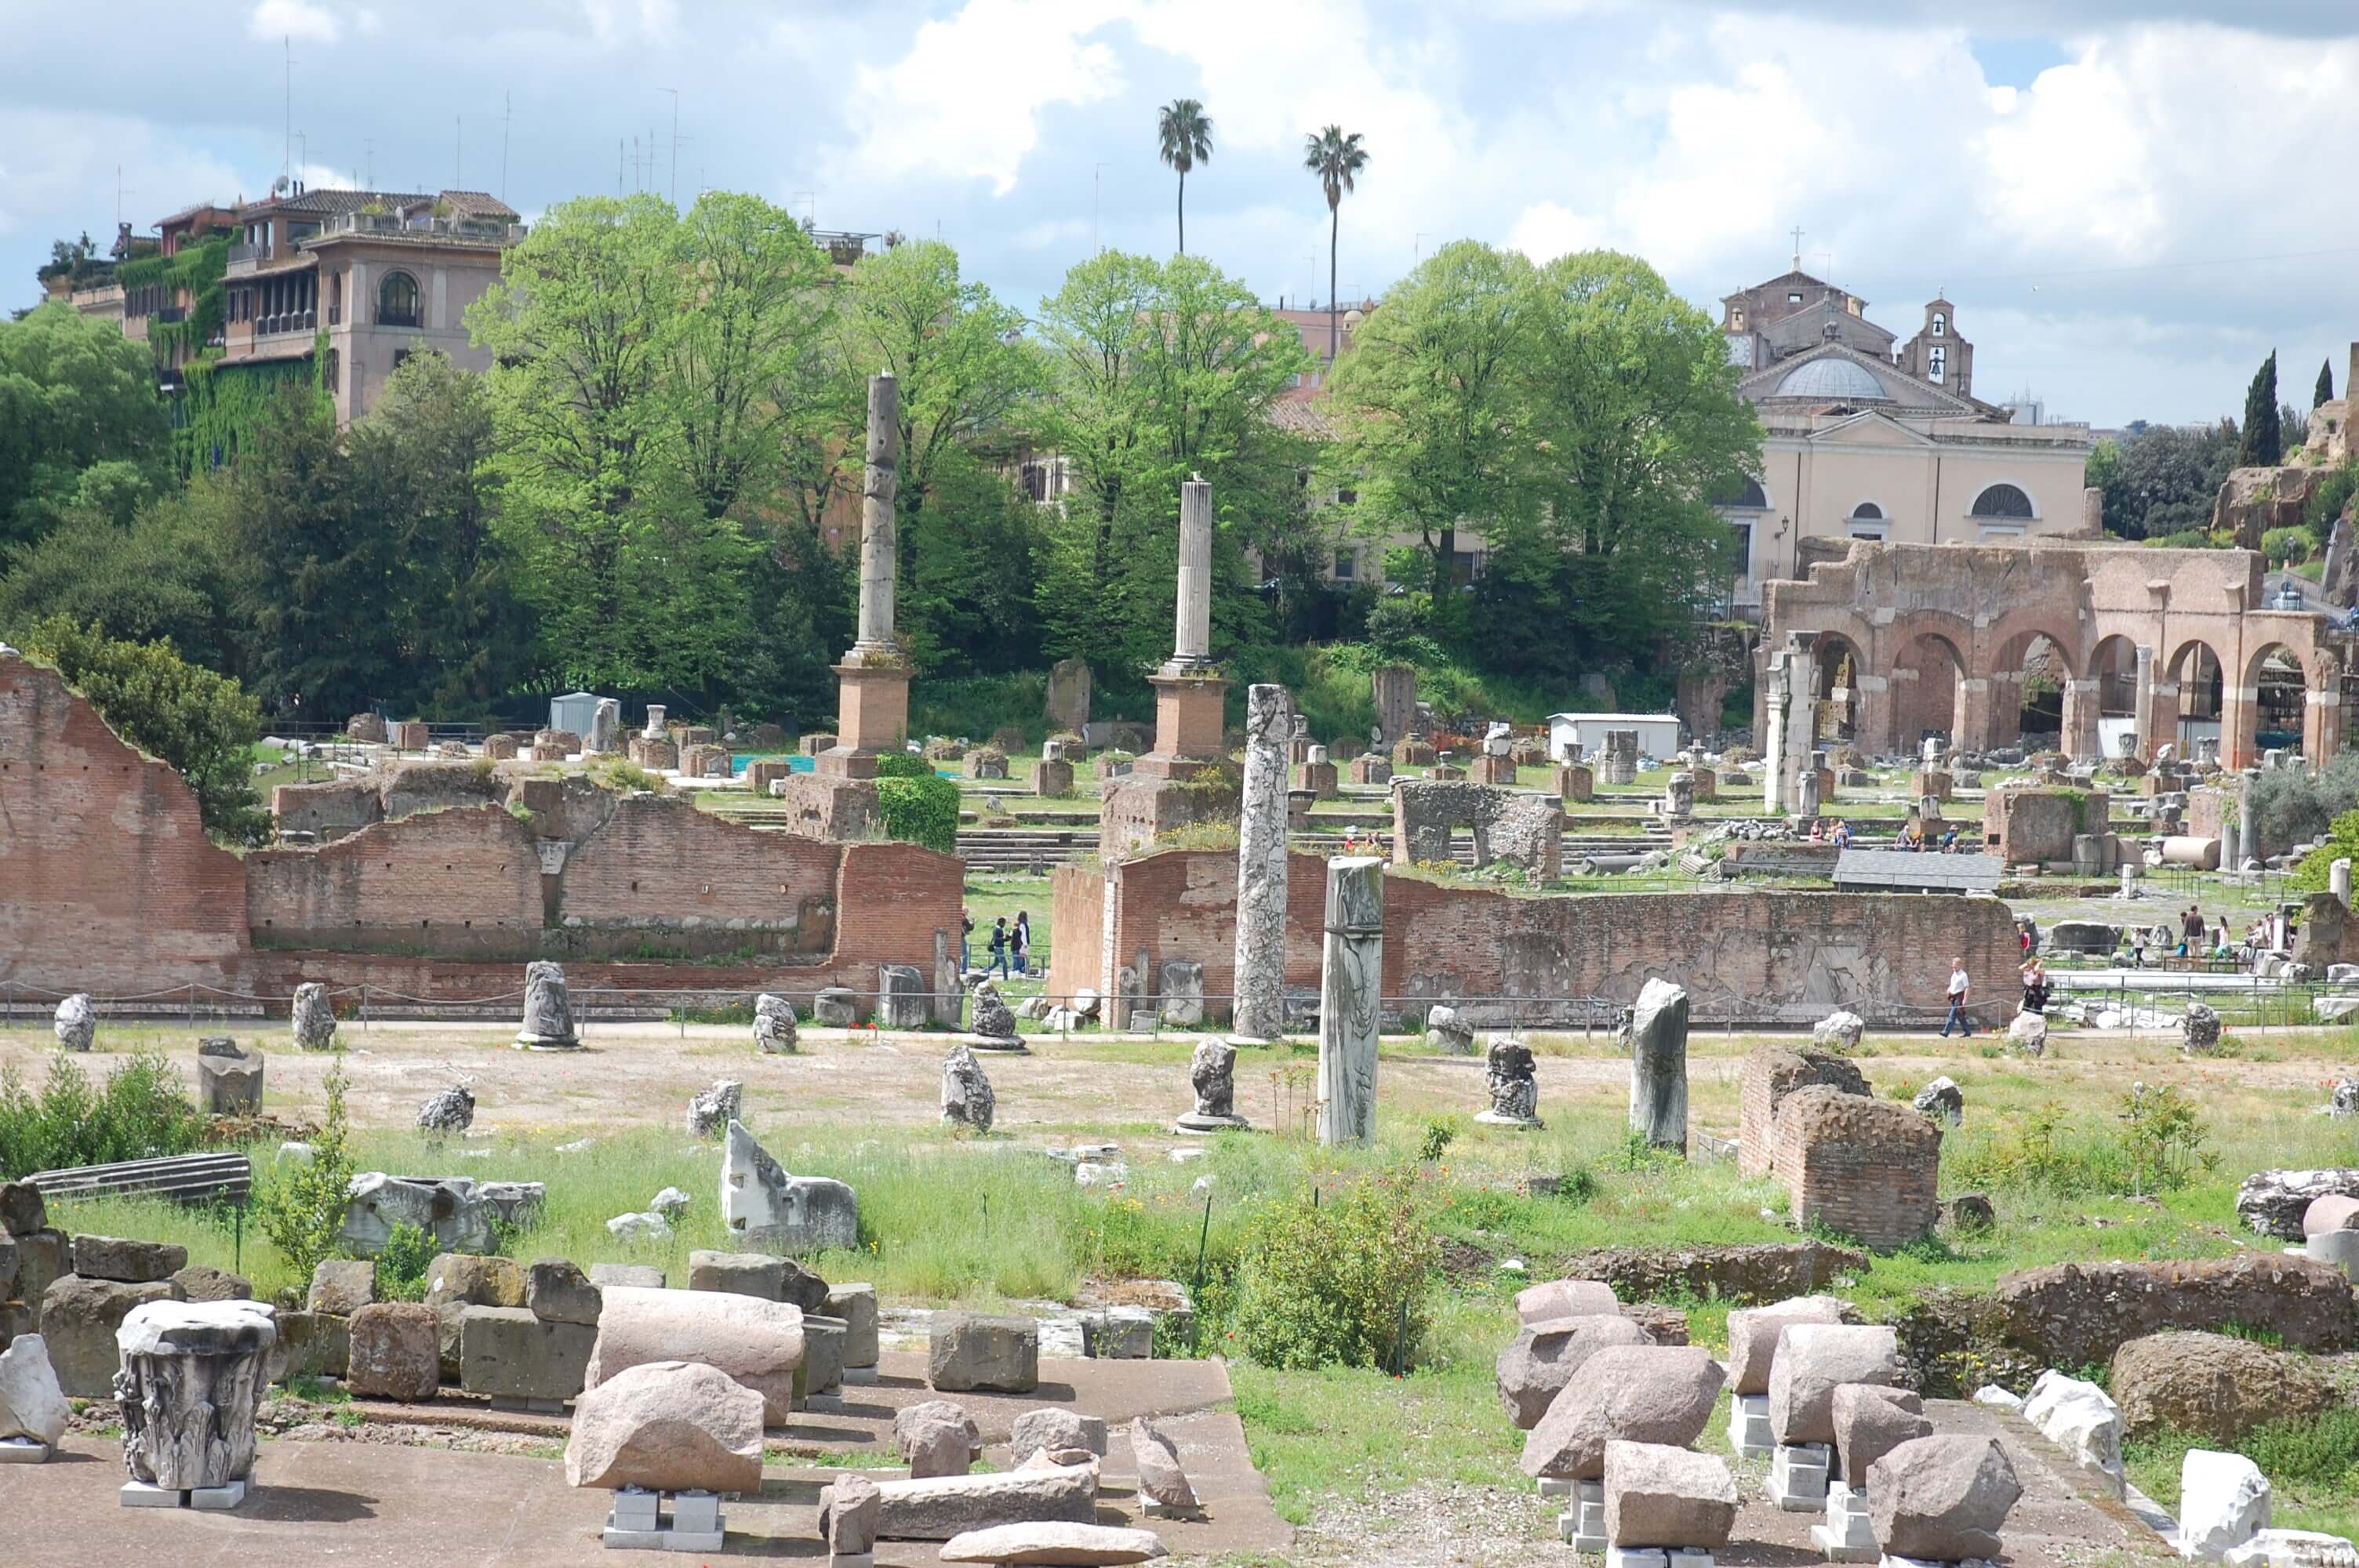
(1868, 437)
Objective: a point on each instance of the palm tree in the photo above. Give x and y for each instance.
(1186, 133)
(1335, 159)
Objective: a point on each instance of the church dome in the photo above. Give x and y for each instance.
(1833, 377)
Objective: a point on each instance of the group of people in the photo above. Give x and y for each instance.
(1913, 835)
(1009, 950)
(2035, 990)
(2189, 935)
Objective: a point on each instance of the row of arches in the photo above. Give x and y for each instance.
(2033, 692)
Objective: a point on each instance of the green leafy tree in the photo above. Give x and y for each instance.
(82, 427)
(312, 560)
(2166, 478)
(201, 723)
(963, 381)
(2262, 446)
(1433, 422)
(1183, 134)
(1156, 373)
(635, 581)
(419, 467)
(2325, 388)
(1337, 159)
(159, 575)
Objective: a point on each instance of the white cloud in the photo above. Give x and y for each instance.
(293, 19)
(965, 99)
(1546, 231)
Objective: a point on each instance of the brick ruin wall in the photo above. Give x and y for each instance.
(1862, 1166)
(1750, 957)
(112, 887)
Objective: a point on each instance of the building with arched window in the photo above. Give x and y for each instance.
(379, 274)
(1865, 436)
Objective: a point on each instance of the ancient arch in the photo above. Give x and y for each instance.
(1926, 678)
(2031, 672)
(1841, 708)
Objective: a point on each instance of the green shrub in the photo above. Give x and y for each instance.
(1346, 1281)
(921, 811)
(1439, 1133)
(2283, 547)
(904, 765)
(141, 1113)
(2315, 870)
(402, 1263)
(302, 1209)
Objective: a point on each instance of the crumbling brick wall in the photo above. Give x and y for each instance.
(108, 881)
(1507, 959)
(2029, 825)
(1769, 1074)
(1862, 1166)
(464, 881)
(1523, 830)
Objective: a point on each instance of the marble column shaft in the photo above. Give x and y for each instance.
(879, 526)
(1192, 641)
(1259, 1009)
(1350, 982)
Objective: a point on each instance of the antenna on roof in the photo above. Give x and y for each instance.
(458, 150)
(504, 111)
(675, 143)
(286, 130)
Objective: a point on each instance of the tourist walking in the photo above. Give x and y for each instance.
(2035, 986)
(997, 958)
(1020, 941)
(1959, 987)
(966, 945)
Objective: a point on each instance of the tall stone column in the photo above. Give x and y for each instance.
(2143, 705)
(1970, 721)
(2239, 722)
(2164, 708)
(1778, 698)
(1192, 643)
(873, 682)
(2321, 718)
(1350, 982)
(1658, 1065)
(2080, 740)
(1260, 1011)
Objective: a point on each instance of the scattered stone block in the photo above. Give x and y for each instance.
(759, 1343)
(394, 1351)
(764, 1206)
(1544, 1358)
(713, 1107)
(1639, 1393)
(2076, 1315)
(203, 1282)
(1942, 1499)
(901, 999)
(773, 1026)
(1566, 1298)
(508, 1353)
(940, 1508)
(837, 1007)
(2224, 1502)
(1053, 1429)
(971, 1351)
(1753, 1334)
(1657, 1495)
(2217, 1386)
(755, 1274)
(1871, 1421)
(1815, 1359)
(1163, 1484)
(1051, 1541)
(557, 1292)
(2078, 1418)
(22, 1210)
(127, 1261)
(32, 1404)
(343, 1286)
(76, 1023)
(79, 1319)
(668, 1426)
(850, 1509)
(856, 1305)
(639, 1276)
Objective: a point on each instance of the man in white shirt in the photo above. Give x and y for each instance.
(1958, 989)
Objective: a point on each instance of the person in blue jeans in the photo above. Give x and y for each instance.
(1019, 941)
(997, 958)
(1959, 987)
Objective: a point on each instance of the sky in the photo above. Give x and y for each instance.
(2130, 201)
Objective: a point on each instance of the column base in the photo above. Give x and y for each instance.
(1193, 1122)
(838, 807)
(1582, 1526)
(1512, 1123)
(1748, 1426)
(141, 1495)
(1798, 1476)
(23, 1451)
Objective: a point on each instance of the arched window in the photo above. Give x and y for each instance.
(1940, 324)
(397, 300)
(1745, 497)
(2002, 500)
(1866, 522)
(1867, 512)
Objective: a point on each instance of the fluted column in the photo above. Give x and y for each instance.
(1350, 982)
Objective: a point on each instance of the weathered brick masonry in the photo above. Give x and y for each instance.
(1792, 956)
(108, 884)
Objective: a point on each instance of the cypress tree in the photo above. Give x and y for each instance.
(2263, 443)
(2325, 384)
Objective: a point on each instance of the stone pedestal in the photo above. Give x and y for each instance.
(1351, 981)
(548, 1011)
(1798, 1476)
(1371, 769)
(1847, 1536)
(832, 806)
(1491, 770)
(1748, 1426)
(639, 1522)
(1319, 777)
(229, 1081)
(1052, 779)
(1576, 782)
(1582, 1525)
(191, 1385)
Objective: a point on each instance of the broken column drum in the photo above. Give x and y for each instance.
(189, 1388)
(1657, 1038)
(1513, 1082)
(1212, 1070)
(314, 1020)
(1351, 983)
(548, 1011)
(1260, 1011)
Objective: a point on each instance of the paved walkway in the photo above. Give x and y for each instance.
(375, 1503)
